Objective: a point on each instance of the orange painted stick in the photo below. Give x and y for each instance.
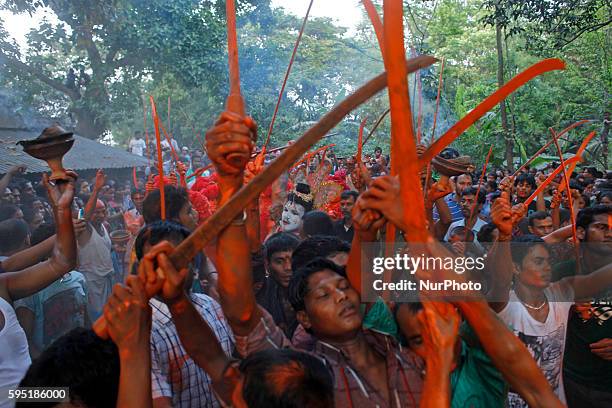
(234, 102)
(160, 161)
(174, 154)
(402, 132)
(579, 152)
(435, 118)
(566, 182)
(484, 171)
(280, 95)
(419, 86)
(376, 23)
(549, 179)
(378, 122)
(486, 105)
(360, 141)
(564, 131)
(199, 171)
(310, 155)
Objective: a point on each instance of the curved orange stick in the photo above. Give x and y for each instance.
(280, 95)
(579, 152)
(402, 131)
(549, 179)
(160, 162)
(486, 105)
(564, 131)
(566, 182)
(176, 158)
(199, 171)
(360, 141)
(378, 122)
(376, 23)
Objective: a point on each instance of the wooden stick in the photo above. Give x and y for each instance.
(435, 119)
(543, 148)
(402, 132)
(486, 105)
(378, 122)
(280, 95)
(234, 102)
(360, 140)
(484, 171)
(160, 161)
(376, 23)
(549, 179)
(567, 185)
(209, 229)
(310, 155)
(144, 116)
(579, 152)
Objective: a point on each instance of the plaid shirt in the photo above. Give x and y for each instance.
(404, 368)
(173, 373)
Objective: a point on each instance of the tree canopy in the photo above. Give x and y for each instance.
(91, 66)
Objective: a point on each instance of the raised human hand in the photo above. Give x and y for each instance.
(440, 321)
(100, 180)
(159, 275)
(501, 216)
(128, 315)
(229, 143)
(61, 193)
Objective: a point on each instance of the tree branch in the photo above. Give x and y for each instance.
(90, 46)
(38, 74)
(587, 29)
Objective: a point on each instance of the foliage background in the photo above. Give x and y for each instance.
(129, 48)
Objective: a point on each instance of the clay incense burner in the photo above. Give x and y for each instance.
(51, 146)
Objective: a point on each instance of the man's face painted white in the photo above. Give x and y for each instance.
(291, 220)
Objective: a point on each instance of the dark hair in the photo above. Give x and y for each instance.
(525, 244)
(175, 198)
(377, 149)
(586, 215)
(12, 234)
(349, 193)
(296, 196)
(8, 211)
(159, 231)
(81, 361)
(564, 215)
(485, 234)
(286, 379)
(473, 191)
(466, 234)
(137, 191)
(317, 223)
(279, 242)
(44, 231)
(538, 215)
(298, 286)
(257, 266)
(528, 178)
(492, 184)
(317, 246)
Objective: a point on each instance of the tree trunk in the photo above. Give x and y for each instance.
(509, 143)
(87, 125)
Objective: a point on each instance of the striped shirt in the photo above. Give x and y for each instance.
(173, 373)
(453, 206)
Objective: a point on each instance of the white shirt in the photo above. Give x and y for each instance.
(544, 340)
(138, 146)
(14, 353)
(461, 223)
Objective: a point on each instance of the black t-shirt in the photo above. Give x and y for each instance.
(342, 232)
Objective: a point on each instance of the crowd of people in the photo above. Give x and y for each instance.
(270, 314)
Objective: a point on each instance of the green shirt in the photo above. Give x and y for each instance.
(476, 382)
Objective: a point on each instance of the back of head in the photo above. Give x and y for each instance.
(279, 242)
(158, 231)
(286, 379)
(317, 223)
(81, 361)
(175, 199)
(8, 211)
(538, 215)
(317, 246)
(13, 233)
